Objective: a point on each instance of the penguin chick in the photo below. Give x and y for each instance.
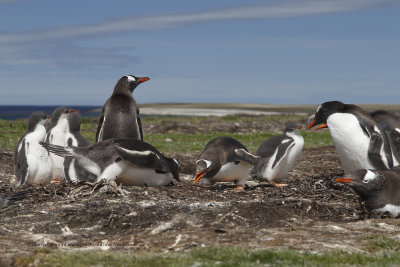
(276, 155)
(32, 163)
(218, 162)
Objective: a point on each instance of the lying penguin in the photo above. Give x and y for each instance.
(32, 163)
(218, 162)
(127, 161)
(276, 155)
(379, 189)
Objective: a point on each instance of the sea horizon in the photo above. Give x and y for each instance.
(15, 112)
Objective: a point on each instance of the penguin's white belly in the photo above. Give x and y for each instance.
(295, 151)
(233, 172)
(129, 174)
(40, 164)
(278, 172)
(350, 141)
(58, 137)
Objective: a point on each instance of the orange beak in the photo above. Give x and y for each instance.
(198, 176)
(325, 125)
(72, 110)
(344, 180)
(144, 79)
(311, 124)
(299, 127)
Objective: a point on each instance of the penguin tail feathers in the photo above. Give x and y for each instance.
(243, 155)
(58, 150)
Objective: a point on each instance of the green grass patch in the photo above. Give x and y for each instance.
(11, 132)
(215, 256)
(377, 243)
(189, 143)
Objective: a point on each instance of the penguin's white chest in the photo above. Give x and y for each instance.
(129, 174)
(57, 136)
(279, 171)
(233, 172)
(37, 157)
(350, 141)
(295, 150)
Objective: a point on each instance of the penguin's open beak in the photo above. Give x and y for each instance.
(198, 176)
(344, 180)
(299, 127)
(311, 124)
(325, 125)
(143, 79)
(72, 110)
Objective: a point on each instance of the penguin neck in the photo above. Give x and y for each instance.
(39, 132)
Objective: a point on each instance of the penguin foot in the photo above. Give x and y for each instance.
(56, 180)
(278, 184)
(204, 187)
(238, 188)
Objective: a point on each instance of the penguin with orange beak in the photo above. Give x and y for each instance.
(120, 114)
(359, 140)
(380, 190)
(218, 162)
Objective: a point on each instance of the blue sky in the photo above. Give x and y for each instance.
(55, 52)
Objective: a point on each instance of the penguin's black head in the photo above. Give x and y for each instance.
(58, 112)
(128, 83)
(37, 117)
(366, 183)
(323, 112)
(205, 167)
(291, 127)
(74, 120)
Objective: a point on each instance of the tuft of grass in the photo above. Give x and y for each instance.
(377, 243)
(213, 256)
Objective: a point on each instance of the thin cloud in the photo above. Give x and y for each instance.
(271, 10)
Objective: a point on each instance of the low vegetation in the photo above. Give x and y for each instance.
(172, 141)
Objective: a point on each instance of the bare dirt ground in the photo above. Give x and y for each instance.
(313, 213)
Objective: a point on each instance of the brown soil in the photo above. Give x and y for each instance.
(312, 213)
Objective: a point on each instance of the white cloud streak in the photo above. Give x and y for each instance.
(270, 10)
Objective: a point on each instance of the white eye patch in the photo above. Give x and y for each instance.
(206, 161)
(369, 176)
(130, 78)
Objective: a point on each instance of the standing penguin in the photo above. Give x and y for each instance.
(72, 170)
(390, 123)
(56, 135)
(32, 163)
(359, 140)
(218, 162)
(379, 189)
(127, 161)
(276, 155)
(120, 114)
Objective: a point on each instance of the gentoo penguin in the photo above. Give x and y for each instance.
(74, 138)
(218, 162)
(32, 163)
(276, 155)
(120, 114)
(56, 135)
(359, 140)
(390, 123)
(128, 161)
(379, 189)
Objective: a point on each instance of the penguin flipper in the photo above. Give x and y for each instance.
(283, 149)
(99, 127)
(146, 159)
(374, 149)
(246, 156)
(139, 122)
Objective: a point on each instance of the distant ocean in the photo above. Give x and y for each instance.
(23, 112)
